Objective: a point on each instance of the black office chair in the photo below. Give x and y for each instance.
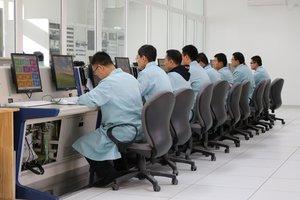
(257, 106)
(180, 125)
(204, 123)
(156, 115)
(266, 106)
(244, 111)
(275, 97)
(234, 115)
(219, 113)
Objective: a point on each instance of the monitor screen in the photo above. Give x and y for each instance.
(124, 64)
(161, 62)
(63, 72)
(93, 77)
(26, 73)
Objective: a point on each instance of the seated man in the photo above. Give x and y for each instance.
(211, 72)
(241, 71)
(178, 74)
(199, 77)
(120, 100)
(152, 79)
(260, 72)
(220, 64)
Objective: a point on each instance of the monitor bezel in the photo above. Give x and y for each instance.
(54, 73)
(126, 58)
(14, 74)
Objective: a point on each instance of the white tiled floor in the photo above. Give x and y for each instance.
(264, 167)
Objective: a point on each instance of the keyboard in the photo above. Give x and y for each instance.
(21, 104)
(66, 100)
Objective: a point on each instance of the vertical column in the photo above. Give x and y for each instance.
(7, 164)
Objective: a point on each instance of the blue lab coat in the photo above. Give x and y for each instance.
(260, 74)
(226, 74)
(153, 80)
(243, 73)
(198, 79)
(212, 73)
(120, 100)
(178, 82)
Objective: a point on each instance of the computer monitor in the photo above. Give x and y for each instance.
(63, 72)
(123, 63)
(26, 73)
(93, 77)
(161, 62)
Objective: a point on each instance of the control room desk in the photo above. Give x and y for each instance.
(72, 122)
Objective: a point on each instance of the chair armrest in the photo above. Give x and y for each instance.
(193, 114)
(122, 146)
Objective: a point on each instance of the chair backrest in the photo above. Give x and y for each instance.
(244, 100)
(203, 110)
(233, 102)
(180, 124)
(257, 97)
(156, 115)
(266, 98)
(275, 93)
(219, 114)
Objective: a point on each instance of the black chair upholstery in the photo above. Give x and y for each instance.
(180, 125)
(219, 113)
(257, 106)
(233, 110)
(156, 115)
(266, 106)
(275, 96)
(204, 123)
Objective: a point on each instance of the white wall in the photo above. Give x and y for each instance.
(273, 32)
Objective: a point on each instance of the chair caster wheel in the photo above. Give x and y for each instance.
(237, 144)
(217, 147)
(257, 132)
(156, 188)
(227, 150)
(115, 186)
(174, 181)
(175, 172)
(251, 135)
(283, 122)
(213, 158)
(247, 138)
(193, 168)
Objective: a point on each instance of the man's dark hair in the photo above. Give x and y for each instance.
(148, 51)
(101, 58)
(191, 51)
(221, 57)
(174, 55)
(202, 58)
(239, 56)
(257, 59)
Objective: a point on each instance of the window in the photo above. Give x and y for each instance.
(194, 6)
(176, 3)
(41, 27)
(176, 31)
(7, 45)
(80, 36)
(158, 30)
(136, 28)
(113, 27)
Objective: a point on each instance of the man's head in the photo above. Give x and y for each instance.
(220, 61)
(172, 59)
(102, 64)
(202, 59)
(146, 53)
(189, 54)
(237, 59)
(255, 62)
